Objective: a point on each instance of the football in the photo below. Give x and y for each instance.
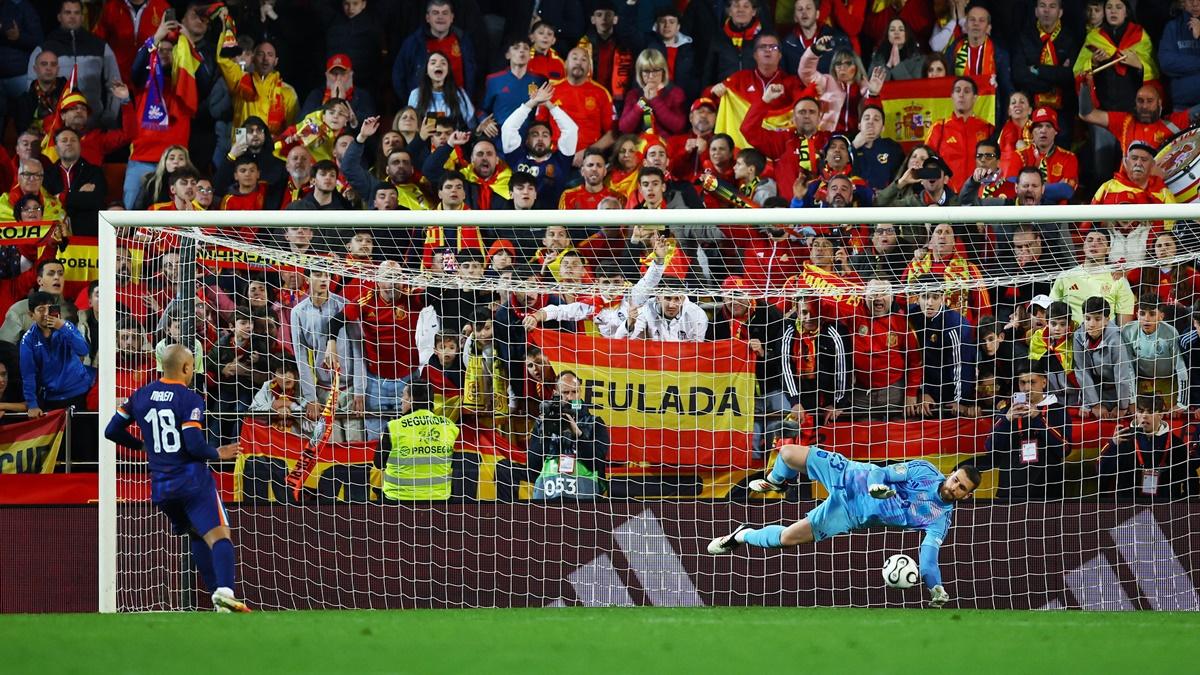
(900, 571)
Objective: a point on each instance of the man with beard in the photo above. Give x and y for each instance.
(537, 157)
(587, 103)
(1135, 182)
(835, 163)
(1059, 167)
(670, 317)
(748, 85)
(795, 151)
(1030, 191)
(299, 169)
(410, 189)
(1147, 122)
(257, 147)
(688, 150)
(885, 356)
(589, 193)
(485, 173)
(1029, 259)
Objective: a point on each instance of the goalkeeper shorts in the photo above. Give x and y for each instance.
(832, 516)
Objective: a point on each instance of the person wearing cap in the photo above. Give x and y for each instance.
(933, 177)
(688, 150)
(955, 137)
(96, 62)
(1059, 166)
(508, 89)
(1135, 182)
(1179, 55)
(1091, 278)
(258, 146)
(744, 90)
(125, 25)
(1042, 56)
(1146, 123)
(97, 142)
(340, 76)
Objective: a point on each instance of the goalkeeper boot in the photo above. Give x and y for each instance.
(224, 602)
(726, 544)
(765, 484)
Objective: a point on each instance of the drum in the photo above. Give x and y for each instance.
(1179, 159)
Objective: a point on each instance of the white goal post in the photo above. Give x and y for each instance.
(1186, 216)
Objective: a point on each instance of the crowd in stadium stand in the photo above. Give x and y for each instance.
(621, 104)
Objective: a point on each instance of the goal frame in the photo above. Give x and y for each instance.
(110, 221)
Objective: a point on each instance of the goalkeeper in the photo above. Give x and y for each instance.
(912, 495)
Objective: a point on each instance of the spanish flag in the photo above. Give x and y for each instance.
(185, 62)
(1134, 39)
(910, 107)
(741, 90)
(70, 96)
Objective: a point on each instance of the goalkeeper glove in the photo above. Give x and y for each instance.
(881, 491)
(938, 597)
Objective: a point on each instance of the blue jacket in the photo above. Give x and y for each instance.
(14, 54)
(948, 354)
(410, 62)
(1179, 56)
(51, 369)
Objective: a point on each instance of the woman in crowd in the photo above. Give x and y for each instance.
(899, 55)
(155, 187)
(1118, 37)
(1016, 134)
(841, 92)
(438, 95)
(656, 105)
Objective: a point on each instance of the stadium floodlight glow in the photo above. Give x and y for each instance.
(684, 485)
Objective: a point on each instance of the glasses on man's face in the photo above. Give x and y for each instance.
(985, 155)
(204, 190)
(31, 174)
(768, 48)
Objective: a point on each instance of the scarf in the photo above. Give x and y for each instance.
(979, 60)
(739, 37)
(154, 110)
(1049, 57)
(738, 327)
(804, 351)
(1127, 37)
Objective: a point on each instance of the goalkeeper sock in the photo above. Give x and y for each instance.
(781, 472)
(766, 537)
(202, 556)
(222, 559)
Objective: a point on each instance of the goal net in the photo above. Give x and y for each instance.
(564, 408)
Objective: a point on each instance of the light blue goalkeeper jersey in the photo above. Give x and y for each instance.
(916, 505)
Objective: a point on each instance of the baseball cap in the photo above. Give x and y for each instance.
(704, 101)
(736, 282)
(935, 162)
(338, 61)
(1045, 115)
(1138, 144)
(1042, 301)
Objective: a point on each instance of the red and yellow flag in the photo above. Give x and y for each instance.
(665, 403)
(185, 61)
(32, 446)
(70, 96)
(910, 107)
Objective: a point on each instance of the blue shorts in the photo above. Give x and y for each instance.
(834, 515)
(198, 510)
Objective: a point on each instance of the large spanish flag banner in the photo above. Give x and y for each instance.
(910, 107)
(32, 446)
(268, 446)
(666, 403)
(80, 258)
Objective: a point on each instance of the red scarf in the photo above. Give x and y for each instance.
(738, 327)
(979, 60)
(747, 34)
(1129, 39)
(1049, 57)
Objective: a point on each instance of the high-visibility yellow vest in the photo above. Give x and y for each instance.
(419, 464)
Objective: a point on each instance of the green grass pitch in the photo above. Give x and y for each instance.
(575, 641)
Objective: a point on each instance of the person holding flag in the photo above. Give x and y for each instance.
(746, 88)
(256, 87)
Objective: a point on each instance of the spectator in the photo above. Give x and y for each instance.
(1147, 461)
(1028, 445)
(748, 86)
(841, 93)
(77, 48)
(885, 356)
(417, 454)
(544, 61)
(509, 89)
(1146, 123)
(1116, 87)
(809, 27)
(688, 150)
(1030, 191)
(1054, 345)
(538, 157)
(444, 371)
(1179, 56)
(988, 181)
(11, 401)
(437, 34)
(244, 190)
(23, 33)
(747, 171)
(1155, 345)
(816, 371)
(357, 36)
(324, 195)
(795, 151)
(340, 82)
(936, 66)
(670, 317)
(914, 13)
(96, 142)
(876, 159)
(656, 104)
(1135, 182)
(155, 185)
(931, 180)
(1059, 167)
(836, 163)
(257, 88)
(1090, 278)
(609, 47)
(317, 349)
(125, 25)
(955, 137)
(568, 447)
(79, 184)
(40, 99)
(30, 177)
(280, 396)
(977, 55)
(1104, 364)
(947, 349)
(1174, 283)
(485, 176)
(587, 103)
(1043, 53)
(683, 62)
(317, 131)
(256, 144)
(999, 351)
(884, 259)
(734, 42)
(592, 189)
(52, 373)
(183, 182)
(437, 95)
(944, 259)
(899, 55)
(19, 271)
(1026, 265)
(1016, 133)
(408, 189)
(238, 365)
(771, 257)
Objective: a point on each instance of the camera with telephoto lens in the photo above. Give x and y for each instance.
(553, 413)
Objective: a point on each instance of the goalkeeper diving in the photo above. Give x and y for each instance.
(912, 495)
